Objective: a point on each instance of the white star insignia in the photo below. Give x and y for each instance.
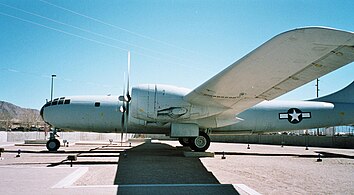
(295, 116)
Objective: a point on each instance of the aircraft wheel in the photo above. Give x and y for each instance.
(184, 141)
(53, 145)
(200, 143)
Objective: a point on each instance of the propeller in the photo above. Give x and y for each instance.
(125, 98)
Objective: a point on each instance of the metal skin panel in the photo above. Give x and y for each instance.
(184, 130)
(159, 103)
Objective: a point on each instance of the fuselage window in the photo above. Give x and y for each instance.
(67, 102)
(97, 104)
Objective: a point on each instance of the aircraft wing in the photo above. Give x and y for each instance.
(285, 62)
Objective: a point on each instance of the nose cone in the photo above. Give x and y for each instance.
(43, 110)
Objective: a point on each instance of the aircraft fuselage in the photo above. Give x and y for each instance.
(102, 114)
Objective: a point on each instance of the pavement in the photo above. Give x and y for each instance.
(160, 167)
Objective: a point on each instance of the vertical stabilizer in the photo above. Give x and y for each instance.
(345, 95)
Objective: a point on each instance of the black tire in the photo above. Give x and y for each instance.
(53, 145)
(184, 141)
(200, 143)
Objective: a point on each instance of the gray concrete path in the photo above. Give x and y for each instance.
(161, 168)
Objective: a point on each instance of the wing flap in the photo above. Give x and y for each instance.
(282, 64)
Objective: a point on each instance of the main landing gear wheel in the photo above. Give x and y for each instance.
(184, 141)
(53, 145)
(200, 143)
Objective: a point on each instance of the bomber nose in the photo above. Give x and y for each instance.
(41, 112)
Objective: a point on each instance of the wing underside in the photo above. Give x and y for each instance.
(285, 62)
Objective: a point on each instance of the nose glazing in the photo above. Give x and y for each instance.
(41, 112)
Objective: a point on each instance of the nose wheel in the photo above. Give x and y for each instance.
(53, 144)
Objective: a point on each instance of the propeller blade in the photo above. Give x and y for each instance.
(128, 98)
(128, 79)
(123, 125)
(122, 109)
(125, 99)
(126, 124)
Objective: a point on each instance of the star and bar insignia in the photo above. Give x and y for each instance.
(295, 115)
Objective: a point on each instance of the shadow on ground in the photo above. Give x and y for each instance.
(323, 154)
(162, 169)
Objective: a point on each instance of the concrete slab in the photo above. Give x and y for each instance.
(198, 154)
(36, 141)
(161, 168)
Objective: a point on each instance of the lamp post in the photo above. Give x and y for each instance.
(317, 92)
(51, 89)
(317, 87)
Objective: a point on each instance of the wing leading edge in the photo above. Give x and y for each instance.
(287, 61)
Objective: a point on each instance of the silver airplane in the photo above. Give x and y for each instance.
(238, 100)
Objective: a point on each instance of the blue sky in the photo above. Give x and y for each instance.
(180, 43)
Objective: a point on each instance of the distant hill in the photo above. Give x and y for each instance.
(11, 114)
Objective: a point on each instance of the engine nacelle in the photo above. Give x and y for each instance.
(161, 103)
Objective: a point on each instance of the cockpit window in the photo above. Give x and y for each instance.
(47, 104)
(57, 101)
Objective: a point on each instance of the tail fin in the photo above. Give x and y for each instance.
(345, 95)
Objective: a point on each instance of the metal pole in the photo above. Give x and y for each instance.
(51, 89)
(317, 93)
(317, 87)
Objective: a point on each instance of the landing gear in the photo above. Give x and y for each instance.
(184, 141)
(200, 143)
(53, 144)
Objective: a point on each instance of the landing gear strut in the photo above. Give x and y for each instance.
(53, 144)
(200, 143)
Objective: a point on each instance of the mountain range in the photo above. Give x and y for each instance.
(11, 114)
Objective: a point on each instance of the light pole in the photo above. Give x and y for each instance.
(317, 87)
(51, 89)
(317, 92)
